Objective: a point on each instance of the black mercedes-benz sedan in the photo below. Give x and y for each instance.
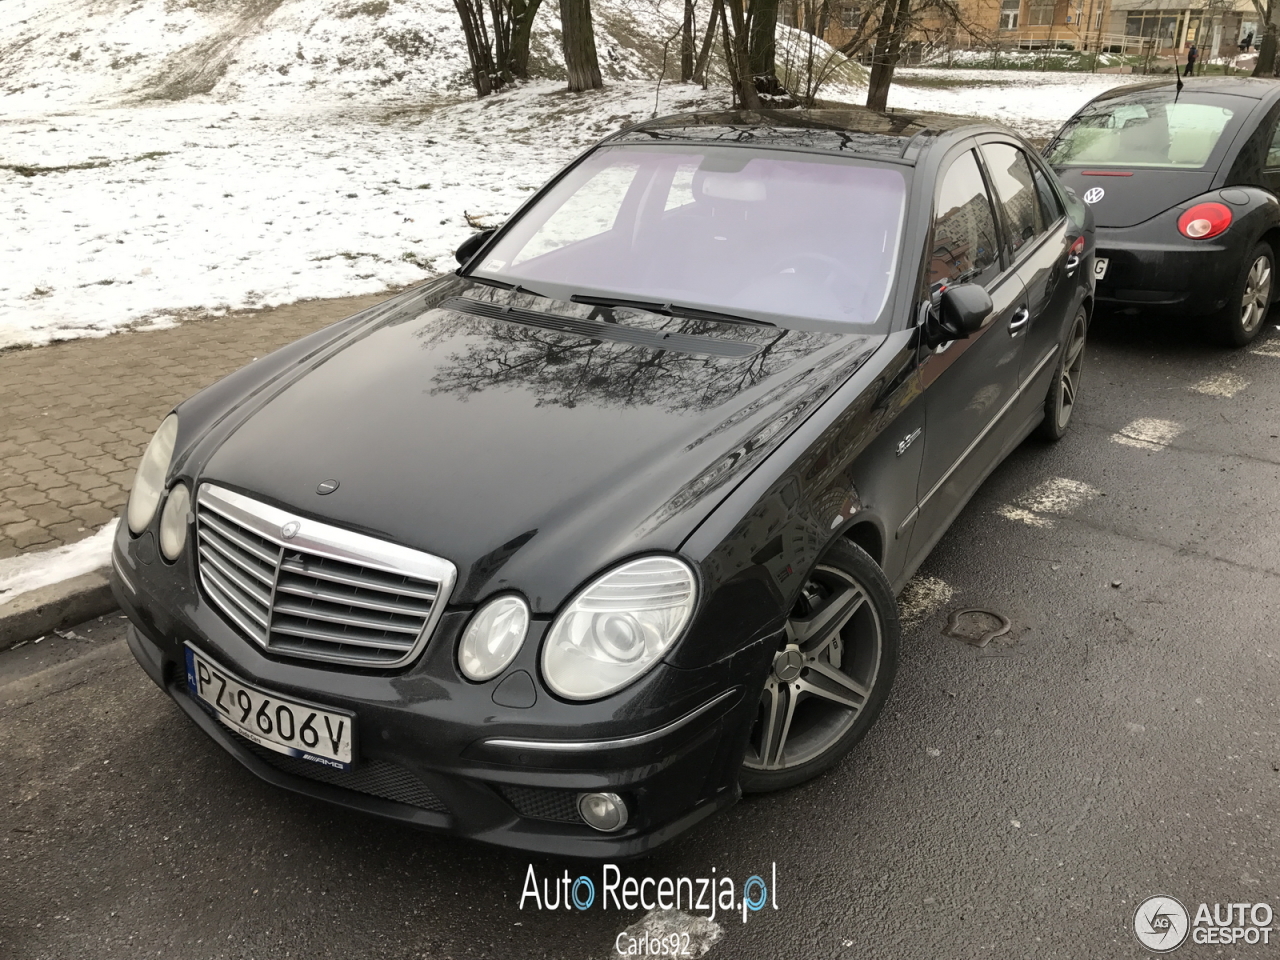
(1182, 178)
(565, 550)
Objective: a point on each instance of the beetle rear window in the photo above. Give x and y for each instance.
(762, 233)
(1148, 129)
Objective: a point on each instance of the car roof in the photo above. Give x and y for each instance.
(1255, 88)
(895, 135)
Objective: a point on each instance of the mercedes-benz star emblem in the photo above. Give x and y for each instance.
(1094, 194)
(290, 529)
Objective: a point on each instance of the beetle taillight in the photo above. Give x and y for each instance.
(1204, 220)
(1077, 248)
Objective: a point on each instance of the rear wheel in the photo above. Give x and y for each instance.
(830, 675)
(1241, 319)
(1060, 403)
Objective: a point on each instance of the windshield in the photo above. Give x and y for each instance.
(1149, 129)
(759, 233)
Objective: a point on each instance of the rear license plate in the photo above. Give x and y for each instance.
(278, 723)
(1100, 265)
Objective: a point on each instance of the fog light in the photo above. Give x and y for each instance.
(603, 811)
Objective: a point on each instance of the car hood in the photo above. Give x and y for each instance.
(1136, 196)
(534, 445)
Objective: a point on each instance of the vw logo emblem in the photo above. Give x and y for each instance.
(290, 529)
(1094, 194)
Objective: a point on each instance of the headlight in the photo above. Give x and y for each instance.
(148, 483)
(173, 522)
(493, 638)
(618, 628)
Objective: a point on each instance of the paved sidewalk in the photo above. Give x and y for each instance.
(77, 415)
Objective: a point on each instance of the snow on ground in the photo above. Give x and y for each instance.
(31, 571)
(1033, 103)
(330, 153)
(205, 206)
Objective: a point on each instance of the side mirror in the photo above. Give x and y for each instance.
(961, 312)
(472, 245)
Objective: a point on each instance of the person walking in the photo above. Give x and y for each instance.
(1192, 55)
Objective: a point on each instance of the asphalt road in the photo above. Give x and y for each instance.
(1019, 800)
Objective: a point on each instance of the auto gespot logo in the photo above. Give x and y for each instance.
(610, 890)
(1162, 923)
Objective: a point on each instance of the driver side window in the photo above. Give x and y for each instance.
(965, 243)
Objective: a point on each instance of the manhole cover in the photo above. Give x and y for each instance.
(976, 627)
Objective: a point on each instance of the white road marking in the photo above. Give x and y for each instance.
(1057, 496)
(1010, 512)
(1221, 385)
(1269, 349)
(921, 597)
(1148, 434)
(656, 924)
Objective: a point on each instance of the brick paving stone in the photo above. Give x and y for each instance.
(78, 414)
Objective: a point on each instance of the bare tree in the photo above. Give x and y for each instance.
(498, 34)
(686, 43)
(1266, 66)
(578, 41)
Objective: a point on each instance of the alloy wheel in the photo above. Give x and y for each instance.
(1071, 369)
(1257, 295)
(823, 675)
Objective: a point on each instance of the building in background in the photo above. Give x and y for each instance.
(1161, 28)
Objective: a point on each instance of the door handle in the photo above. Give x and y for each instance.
(1073, 261)
(1020, 319)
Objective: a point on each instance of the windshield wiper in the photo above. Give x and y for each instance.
(669, 309)
(513, 287)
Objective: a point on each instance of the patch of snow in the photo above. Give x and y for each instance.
(31, 571)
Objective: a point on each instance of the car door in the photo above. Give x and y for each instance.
(1037, 244)
(968, 384)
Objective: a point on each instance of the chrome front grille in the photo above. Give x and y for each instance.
(306, 589)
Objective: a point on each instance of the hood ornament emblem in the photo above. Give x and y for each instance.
(326, 487)
(290, 529)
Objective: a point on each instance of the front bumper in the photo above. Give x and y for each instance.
(438, 752)
(1152, 266)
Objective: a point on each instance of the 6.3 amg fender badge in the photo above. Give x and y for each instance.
(908, 440)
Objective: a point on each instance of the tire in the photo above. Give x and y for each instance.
(1060, 402)
(1242, 319)
(831, 676)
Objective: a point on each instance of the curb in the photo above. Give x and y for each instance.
(64, 604)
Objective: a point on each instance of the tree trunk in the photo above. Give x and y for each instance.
(764, 28)
(523, 13)
(686, 43)
(736, 48)
(1266, 65)
(579, 44)
(479, 51)
(893, 24)
(704, 55)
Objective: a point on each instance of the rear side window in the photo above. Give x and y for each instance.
(1149, 129)
(1015, 190)
(1273, 151)
(965, 248)
(1050, 205)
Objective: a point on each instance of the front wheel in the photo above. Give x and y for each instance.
(1236, 324)
(830, 675)
(1060, 403)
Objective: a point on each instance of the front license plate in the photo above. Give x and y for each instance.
(1100, 265)
(278, 723)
